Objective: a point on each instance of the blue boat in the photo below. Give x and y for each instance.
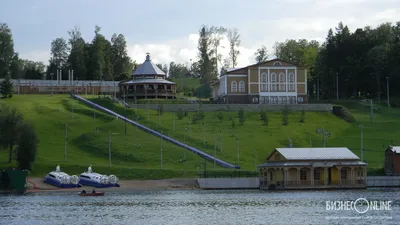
(90, 178)
(61, 179)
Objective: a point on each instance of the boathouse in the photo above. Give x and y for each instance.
(392, 161)
(312, 168)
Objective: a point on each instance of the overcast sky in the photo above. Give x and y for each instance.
(168, 29)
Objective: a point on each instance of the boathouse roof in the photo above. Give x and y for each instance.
(340, 153)
(148, 68)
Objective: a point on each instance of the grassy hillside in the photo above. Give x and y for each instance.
(50, 114)
(256, 140)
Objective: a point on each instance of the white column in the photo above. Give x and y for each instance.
(312, 176)
(326, 176)
(268, 81)
(286, 81)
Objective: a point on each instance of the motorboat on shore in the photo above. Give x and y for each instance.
(92, 194)
(90, 178)
(61, 179)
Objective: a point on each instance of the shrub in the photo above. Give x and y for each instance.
(220, 116)
(180, 114)
(285, 116)
(241, 116)
(343, 113)
(233, 124)
(302, 116)
(264, 117)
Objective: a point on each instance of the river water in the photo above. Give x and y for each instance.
(200, 207)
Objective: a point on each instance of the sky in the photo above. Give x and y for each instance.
(168, 29)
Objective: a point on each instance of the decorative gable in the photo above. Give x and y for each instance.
(277, 63)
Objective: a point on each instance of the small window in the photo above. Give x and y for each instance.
(233, 86)
(303, 174)
(263, 82)
(51, 175)
(277, 63)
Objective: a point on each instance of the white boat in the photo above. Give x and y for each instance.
(61, 179)
(90, 178)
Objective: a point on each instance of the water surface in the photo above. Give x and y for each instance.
(196, 207)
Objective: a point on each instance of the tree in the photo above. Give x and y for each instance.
(6, 50)
(96, 67)
(261, 54)
(302, 116)
(264, 117)
(220, 115)
(180, 114)
(77, 57)
(285, 116)
(241, 116)
(27, 146)
(216, 38)
(59, 52)
(234, 42)
(204, 91)
(6, 87)
(206, 66)
(10, 120)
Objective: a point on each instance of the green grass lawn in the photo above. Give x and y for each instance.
(49, 114)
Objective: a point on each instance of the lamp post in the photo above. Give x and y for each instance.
(94, 118)
(387, 89)
(337, 86)
(173, 120)
(184, 141)
(204, 135)
(161, 150)
(137, 133)
(324, 133)
(215, 150)
(362, 142)
(109, 146)
(237, 150)
(220, 134)
(65, 143)
(290, 142)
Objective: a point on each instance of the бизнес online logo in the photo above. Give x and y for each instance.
(360, 205)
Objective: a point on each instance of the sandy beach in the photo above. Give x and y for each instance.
(37, 185)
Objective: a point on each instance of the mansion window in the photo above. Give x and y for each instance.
(291, 82)
(317, 174)
(264, 82)
(233, 86)
(273, 100)
(282, 82)
(282, 100)
(277, 63)
(343, 174)
(242, 86)
(273, 81)
(303, 174)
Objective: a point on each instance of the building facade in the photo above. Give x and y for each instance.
(392, 161)
(312, 168)
(271, 82)
(148, 81)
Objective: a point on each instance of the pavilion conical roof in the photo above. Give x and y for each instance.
(148, 68)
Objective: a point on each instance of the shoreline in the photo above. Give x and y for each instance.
(36, 185)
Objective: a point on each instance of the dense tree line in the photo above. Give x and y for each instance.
(99, 59)
(10, 63)
(349, 64)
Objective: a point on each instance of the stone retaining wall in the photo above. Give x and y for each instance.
(237, 107)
